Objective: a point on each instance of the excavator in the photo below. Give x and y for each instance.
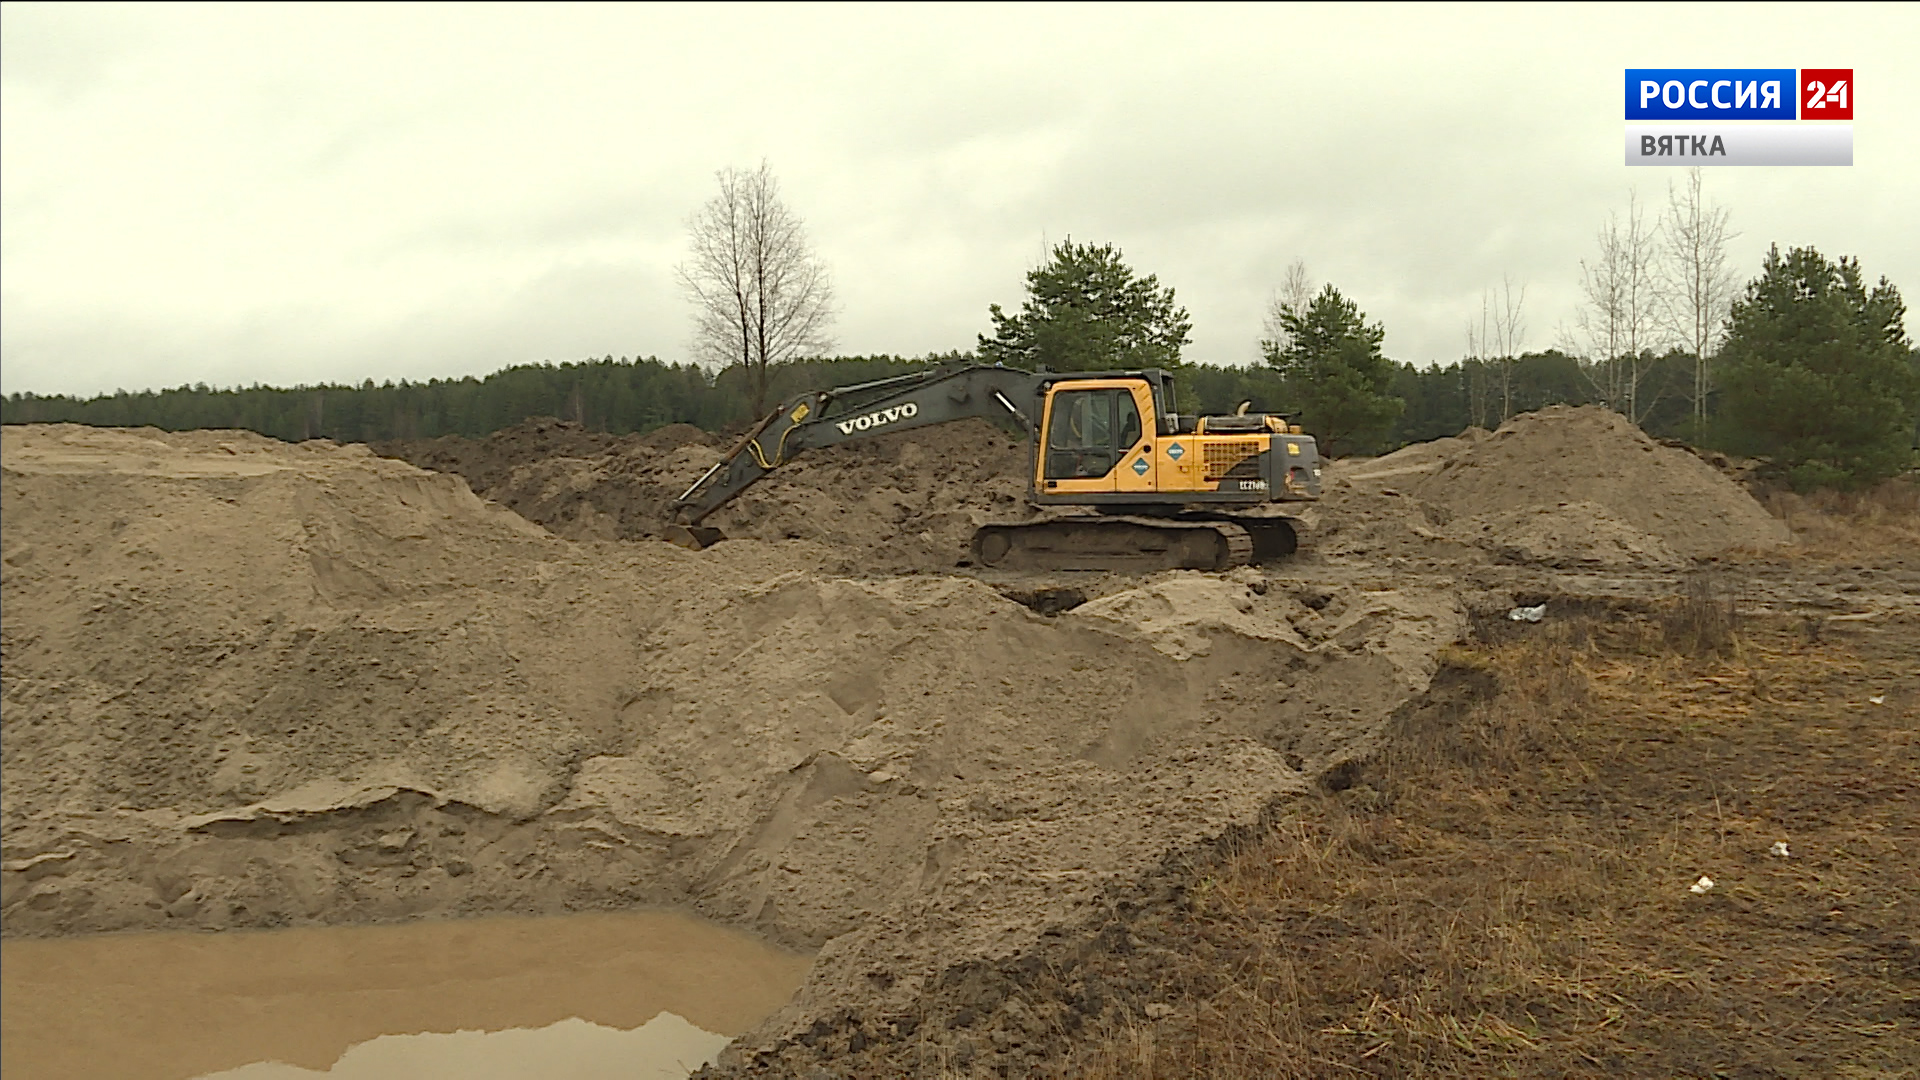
(1120, 480)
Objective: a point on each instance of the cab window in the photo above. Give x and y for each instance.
(1089, 432)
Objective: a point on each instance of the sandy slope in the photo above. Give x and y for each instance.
(253, 684)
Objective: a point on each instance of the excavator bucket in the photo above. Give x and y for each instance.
(693, 537)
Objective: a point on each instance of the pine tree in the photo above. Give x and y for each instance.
(1086, 311)
(1816, 373)
(1334, 369)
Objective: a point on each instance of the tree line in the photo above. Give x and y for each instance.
(1816, 373)
(624, 396)
(617, 396)
(1807, 365)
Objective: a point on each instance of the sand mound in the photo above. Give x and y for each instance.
(1569, 536)
(1413, 461)
(898, 502)
(225, 616)
(675, 436)
(1564, 456)
(486, 463)
(1566, 488)
(252, 684)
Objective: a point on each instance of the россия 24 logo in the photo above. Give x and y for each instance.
(1705, 116)
(1739, 93)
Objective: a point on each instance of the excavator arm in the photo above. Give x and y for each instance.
(827, 417)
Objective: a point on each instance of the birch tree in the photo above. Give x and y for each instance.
(1620, 307)
(1509, 335)
(760, 294)
(1697, 283)
(1474, 367)
(1497, 340)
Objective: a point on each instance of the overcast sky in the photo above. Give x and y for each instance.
(288, 194)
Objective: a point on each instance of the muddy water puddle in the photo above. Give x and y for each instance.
(637, 994)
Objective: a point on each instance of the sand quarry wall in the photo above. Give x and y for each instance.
(255, 684)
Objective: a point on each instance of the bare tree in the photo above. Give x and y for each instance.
(1509, 335)
(1293, 296)
(1499, 339)
(1620, 301)
(1475, 367)
(1698, 284)
(760, 295)
(1602, 316)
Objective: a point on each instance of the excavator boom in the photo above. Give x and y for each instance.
(826, 417)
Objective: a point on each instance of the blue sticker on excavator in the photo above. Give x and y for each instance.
(1175, 450)
(1140, 466)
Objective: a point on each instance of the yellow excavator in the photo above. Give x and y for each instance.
(1119, 479)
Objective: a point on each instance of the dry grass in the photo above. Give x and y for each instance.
(1505, 892)
(1705, 620)
(1847, 525)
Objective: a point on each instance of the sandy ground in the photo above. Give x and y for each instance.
(254, 684)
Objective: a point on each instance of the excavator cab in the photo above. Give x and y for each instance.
(1112, 438)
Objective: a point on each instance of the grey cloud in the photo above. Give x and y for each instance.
(303, 194)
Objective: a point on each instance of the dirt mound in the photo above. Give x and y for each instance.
(1413, 461)
(485, 463)
(1566, 488)
(1562, 456)
(675, 436)
(1568, 536)
(908, 501)
(253, 684)
(903, 502)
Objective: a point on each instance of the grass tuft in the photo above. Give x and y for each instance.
(1703, 621)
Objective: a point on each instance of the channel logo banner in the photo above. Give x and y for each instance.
(1712, 93)
(1697, 114)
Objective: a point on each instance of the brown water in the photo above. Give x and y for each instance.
(577, 995)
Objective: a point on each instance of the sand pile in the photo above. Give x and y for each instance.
(1563, 487)
(253, 684)
(1595, 460)
(197, 620)
(903, 502)
(486, 462)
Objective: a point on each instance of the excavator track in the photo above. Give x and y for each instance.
(1274, 538)
(1114, 543)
